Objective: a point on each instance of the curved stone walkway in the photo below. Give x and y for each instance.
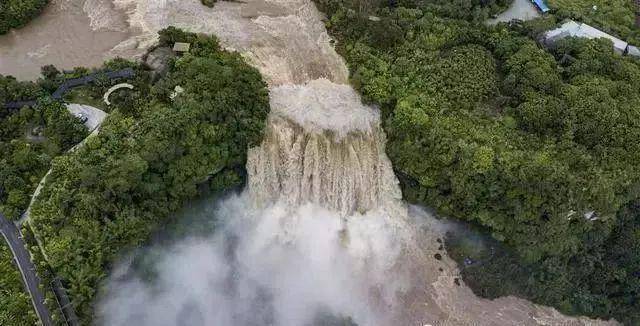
(105, 98)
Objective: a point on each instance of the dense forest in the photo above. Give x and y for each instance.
(16, 13)
(15, 303)
(617, 17)
(538, 146)
(29, 140)
(190, 129)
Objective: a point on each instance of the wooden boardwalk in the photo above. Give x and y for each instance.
(75, 82)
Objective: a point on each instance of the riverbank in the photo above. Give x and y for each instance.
(487, 126)
(68, 34)
(15, 14)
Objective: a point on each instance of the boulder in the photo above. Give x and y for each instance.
(158, 61)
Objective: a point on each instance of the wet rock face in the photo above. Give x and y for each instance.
(348, 175)
(158, 61)
(323, 146)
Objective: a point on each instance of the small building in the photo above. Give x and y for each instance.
(180, 47)
(591, 216)
(541, 5)
(176, 91)
(574, 29)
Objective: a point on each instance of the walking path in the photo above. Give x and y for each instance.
(105, 98)
(95, 117)
(27, 269)
(72, 83)
(11, 233)
(520, 9)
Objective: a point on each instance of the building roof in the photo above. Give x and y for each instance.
(181, 47)
(572, 28)
(633, 51)
(541, 5)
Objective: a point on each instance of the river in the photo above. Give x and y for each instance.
(321, 228)
(68, 34)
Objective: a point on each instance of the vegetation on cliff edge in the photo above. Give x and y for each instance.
(148, 159)
(17, 13)
(538, 146)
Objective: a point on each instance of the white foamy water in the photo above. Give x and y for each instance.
(321, 227)
(286, 40)
(277, 265)
(323, 106)
(347, 173)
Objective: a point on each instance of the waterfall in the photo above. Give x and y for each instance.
(322, 146)
(321, 228)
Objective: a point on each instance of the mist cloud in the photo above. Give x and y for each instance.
(274, 266)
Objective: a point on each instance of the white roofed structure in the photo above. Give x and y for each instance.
(181, 47)
(633, 51)
(575, 29)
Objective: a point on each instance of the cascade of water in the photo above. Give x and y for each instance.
(327, 228)
(310, 154)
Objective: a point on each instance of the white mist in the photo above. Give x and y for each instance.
(321, 227)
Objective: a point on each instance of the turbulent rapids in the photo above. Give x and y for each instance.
(322, 146)
(321, 229)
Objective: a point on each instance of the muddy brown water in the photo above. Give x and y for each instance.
(287, 41)
(69, 33)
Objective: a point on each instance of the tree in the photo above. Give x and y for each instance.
(112, 193)
(16, 13)
(538, 147)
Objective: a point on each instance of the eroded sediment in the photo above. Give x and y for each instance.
(324, 150)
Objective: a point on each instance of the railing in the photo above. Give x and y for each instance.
(66, 307)
(75, 82)
(27, 269)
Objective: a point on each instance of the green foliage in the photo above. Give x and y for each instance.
(29, 140)
(486, 126)
(125, 100)
(209, 3)
(477, 10)
(171, 35)
(612, 16)
(604, 280)
(15, 303)
(13, 90)
(122, 185)
(16, 13)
